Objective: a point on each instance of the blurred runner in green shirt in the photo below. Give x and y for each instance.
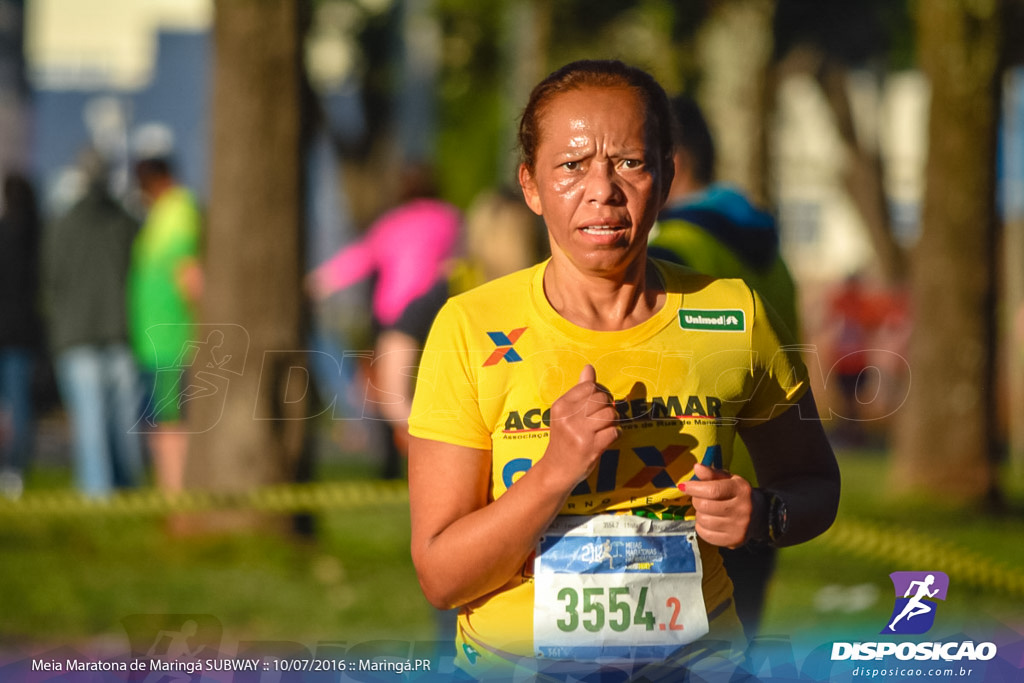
(164, 284)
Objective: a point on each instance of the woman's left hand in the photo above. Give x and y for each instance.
(723, 505)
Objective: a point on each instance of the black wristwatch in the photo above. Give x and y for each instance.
(778, 517)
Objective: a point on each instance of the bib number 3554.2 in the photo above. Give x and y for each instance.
(617, 586)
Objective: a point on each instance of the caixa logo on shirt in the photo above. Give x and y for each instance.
(504, 343)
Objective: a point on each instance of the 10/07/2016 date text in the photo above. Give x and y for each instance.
(389, 665)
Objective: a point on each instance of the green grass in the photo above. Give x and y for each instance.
(69, 580)
(816, 586)
(73, 581)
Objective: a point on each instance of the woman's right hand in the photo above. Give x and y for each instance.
(582, 427)
(465, 545)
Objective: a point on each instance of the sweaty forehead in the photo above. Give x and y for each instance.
(577, 109)
(589, 98)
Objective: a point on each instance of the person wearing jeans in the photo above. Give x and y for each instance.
(100, 387)
(85, 265)
(16, 427)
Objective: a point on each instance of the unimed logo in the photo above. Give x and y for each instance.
(714, 320)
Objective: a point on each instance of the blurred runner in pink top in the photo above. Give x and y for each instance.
(408, 249)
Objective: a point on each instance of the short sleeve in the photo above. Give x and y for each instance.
(779, 375)
(184, 236)
(445, 404)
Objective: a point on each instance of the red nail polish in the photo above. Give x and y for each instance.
(682, 487)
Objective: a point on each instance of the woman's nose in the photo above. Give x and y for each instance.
(603, 184)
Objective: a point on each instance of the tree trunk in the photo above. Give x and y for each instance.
(863, 175)
(735, 47)
(251, 431)
(946, 438)
(526, 28)
(1013, 264)
(421, 46)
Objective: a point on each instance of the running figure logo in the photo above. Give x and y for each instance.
(914, 612)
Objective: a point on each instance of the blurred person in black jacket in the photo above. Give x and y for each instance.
(20, 330)
(85, 265)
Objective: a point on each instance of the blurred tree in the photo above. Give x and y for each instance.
(471, 104)
(496, 52)
(420, 50)
(251, 431)
(824, 41)
(370, 182)
(525, 33)
(735, 89)
(946, 436)
(655, 35)
(1013, 237)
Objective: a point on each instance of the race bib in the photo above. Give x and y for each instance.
(617, 587)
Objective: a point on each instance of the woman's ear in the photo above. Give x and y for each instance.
(529, 187)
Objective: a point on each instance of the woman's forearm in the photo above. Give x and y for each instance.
(794, 461)
(482, 550)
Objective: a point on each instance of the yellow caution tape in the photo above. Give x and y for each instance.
(285, 498)
(868, 540)
(914, 550)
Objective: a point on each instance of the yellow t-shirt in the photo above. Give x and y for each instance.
(499, 355)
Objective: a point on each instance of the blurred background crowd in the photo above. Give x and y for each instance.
(220, 216)
(226, 225)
